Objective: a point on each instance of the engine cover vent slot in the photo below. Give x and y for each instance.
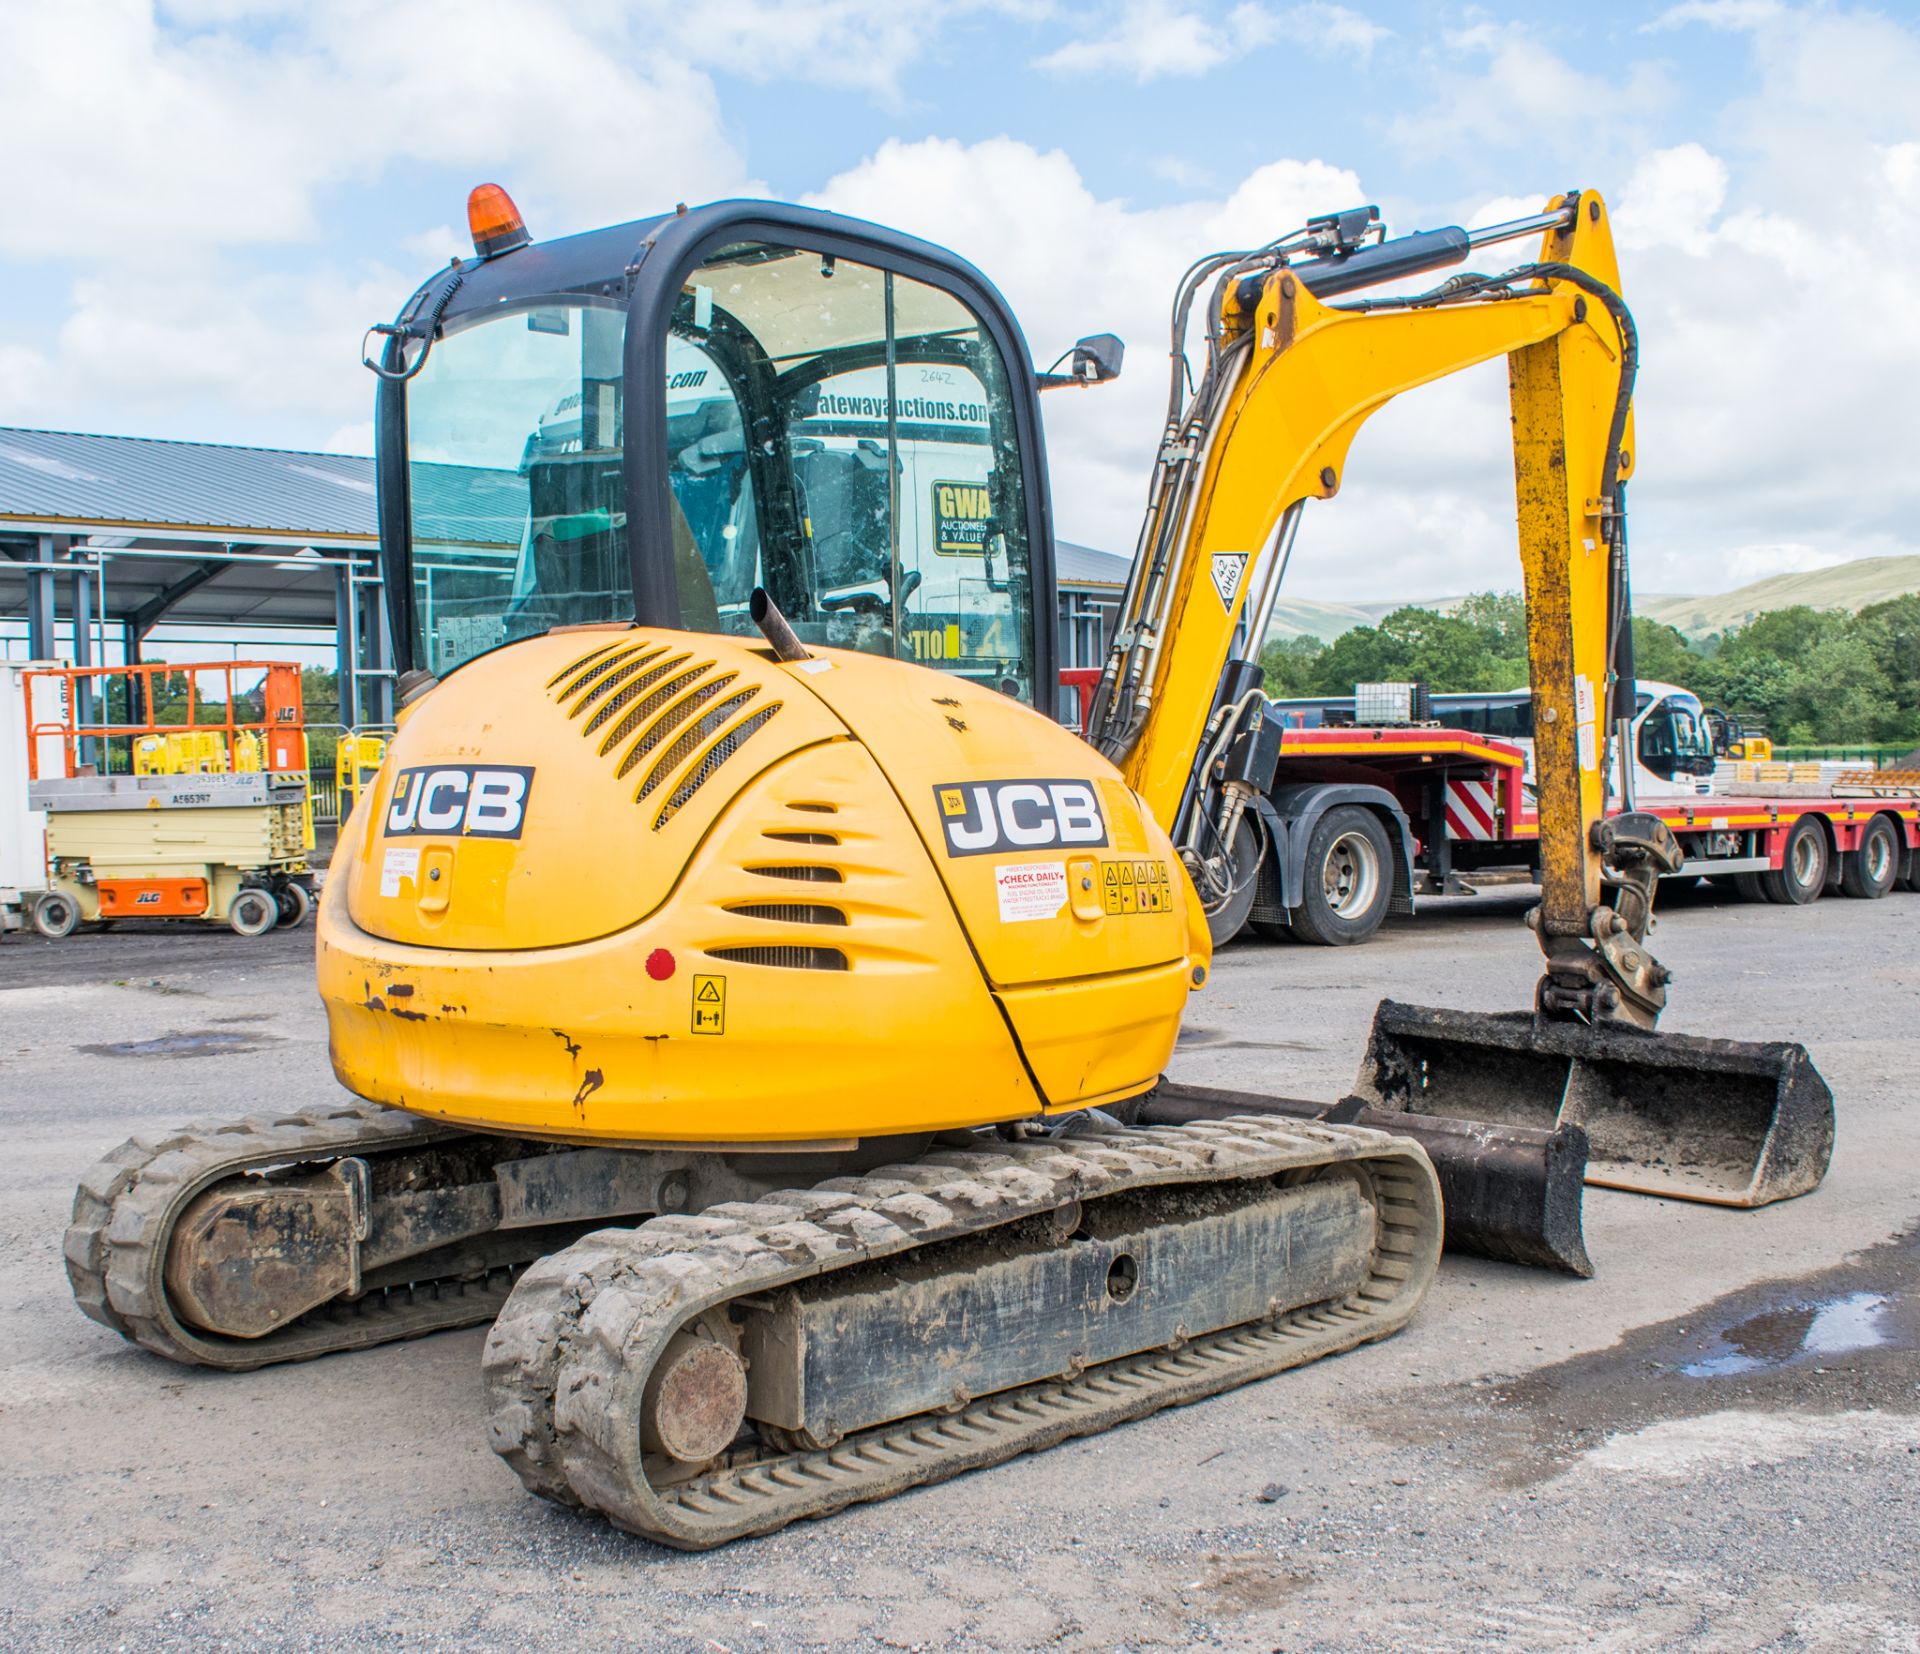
(611, 690)
(657, 695)
(800, 838)
(707, 725)
(586, 684)
(806, 875)
(788, 959)
(789, 913)
(658, 666)
(682, 707)
(817, 809)
(716, 755)
(574, 666)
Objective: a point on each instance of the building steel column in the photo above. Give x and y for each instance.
(81, 609)
(345, 646)
(379, 648)
(40, 641)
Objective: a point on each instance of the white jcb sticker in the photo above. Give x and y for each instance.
(399, 864)
(1034, 890)
(1228, 566)
(1589, 753)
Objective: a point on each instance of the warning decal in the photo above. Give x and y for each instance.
(397, 864)
(709, 1004)
(1135, 887)
(1034, 890)
(1228, 566)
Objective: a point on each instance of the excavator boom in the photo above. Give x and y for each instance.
(1294, 368)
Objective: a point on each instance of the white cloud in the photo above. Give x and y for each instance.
(855, 43)
(1672, 199)
(1757, 562)
(1717, 14)
(356, 438)
(1327, 29)
(1497, 86)
(25, 377)
(1152, 39)
(173, 143)
(1146, 39)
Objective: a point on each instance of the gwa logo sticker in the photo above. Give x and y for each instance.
(981, 816)
(469, 800)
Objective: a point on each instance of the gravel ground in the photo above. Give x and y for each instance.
(1713, 1445)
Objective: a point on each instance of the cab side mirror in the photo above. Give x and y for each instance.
(1095, 360)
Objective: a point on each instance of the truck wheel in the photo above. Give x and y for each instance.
(1349, 879)
(1225, 922)
(1802, 876)
(1910, 878)
(55, 913)
(1870, 871)
(1748, 886)
(254, 912)
(294, 904)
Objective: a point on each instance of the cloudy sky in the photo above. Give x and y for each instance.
(209, 200)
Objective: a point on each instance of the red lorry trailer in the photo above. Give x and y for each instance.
(1362, 818)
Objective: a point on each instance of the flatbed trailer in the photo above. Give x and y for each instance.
(1454, 811)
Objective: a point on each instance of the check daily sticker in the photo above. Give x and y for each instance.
(396, 865)
(1031, 890)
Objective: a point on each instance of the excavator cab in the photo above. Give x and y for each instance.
(646, 423)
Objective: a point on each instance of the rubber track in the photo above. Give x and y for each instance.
(567, 1361)
(127, 1204)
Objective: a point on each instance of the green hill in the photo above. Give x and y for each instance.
(1850, 586)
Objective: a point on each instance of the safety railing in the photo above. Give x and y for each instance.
(155, 719)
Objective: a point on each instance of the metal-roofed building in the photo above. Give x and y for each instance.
(116, 535)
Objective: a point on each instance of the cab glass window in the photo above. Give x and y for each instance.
(844, 436)
(519, 516)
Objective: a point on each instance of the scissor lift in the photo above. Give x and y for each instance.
(201, 813)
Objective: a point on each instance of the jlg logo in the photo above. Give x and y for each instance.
(460, 799)
(979, 816)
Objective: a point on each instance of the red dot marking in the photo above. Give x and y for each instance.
(659, 964)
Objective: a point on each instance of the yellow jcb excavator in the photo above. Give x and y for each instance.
(759, 1003)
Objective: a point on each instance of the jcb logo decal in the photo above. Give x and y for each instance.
(464, 800)
(981, 816)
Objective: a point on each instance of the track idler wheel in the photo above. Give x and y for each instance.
(695, 1401)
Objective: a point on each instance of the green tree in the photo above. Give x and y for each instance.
(1663, 654)
(1290, 667)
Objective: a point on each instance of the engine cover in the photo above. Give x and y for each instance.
(659, 886)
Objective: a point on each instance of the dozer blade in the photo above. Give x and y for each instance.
(1512, 1193)
(1728, 1122)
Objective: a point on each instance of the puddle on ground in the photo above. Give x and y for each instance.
(1839, 1340)
(202, 1042)
(1854, 1321)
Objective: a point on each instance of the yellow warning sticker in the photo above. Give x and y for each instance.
(1135, 887)
(709, 1004)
